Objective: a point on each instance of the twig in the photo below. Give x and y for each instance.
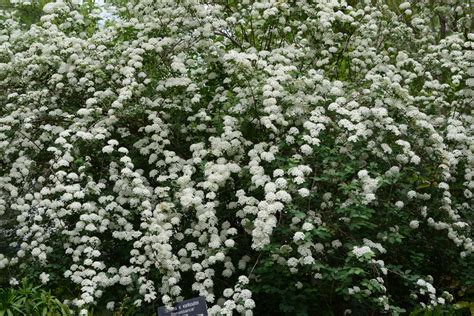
(258, 258)
(230, 38)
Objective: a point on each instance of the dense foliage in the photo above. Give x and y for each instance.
(290, 157)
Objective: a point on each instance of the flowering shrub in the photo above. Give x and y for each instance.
(294, 157)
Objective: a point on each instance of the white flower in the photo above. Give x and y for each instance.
(303, 192)
(245, 294)
(362, 174)
(49, 7)
(415, 159)
(229, 243)
(414, 224)
(44, 277)
(292, 262)
(249, 303)
(411, 194)
(36, 252)
(82, 312)
(228, 292)
(336, 243)
(107, 149)
(421, 282)
(307, 226)
(404, 5)
(308, 260)
(243, 280)
(14, 282)
(230, 304)
(319, 247)
(278, 173)
(443, 186)
(110, 305)
(298, 236)
(306, 149)
(360, 251)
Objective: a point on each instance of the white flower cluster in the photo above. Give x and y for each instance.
(427, 289)
(369, 186)
(362, 251)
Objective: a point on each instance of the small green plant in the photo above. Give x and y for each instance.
(9, 302)
(30, 300)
